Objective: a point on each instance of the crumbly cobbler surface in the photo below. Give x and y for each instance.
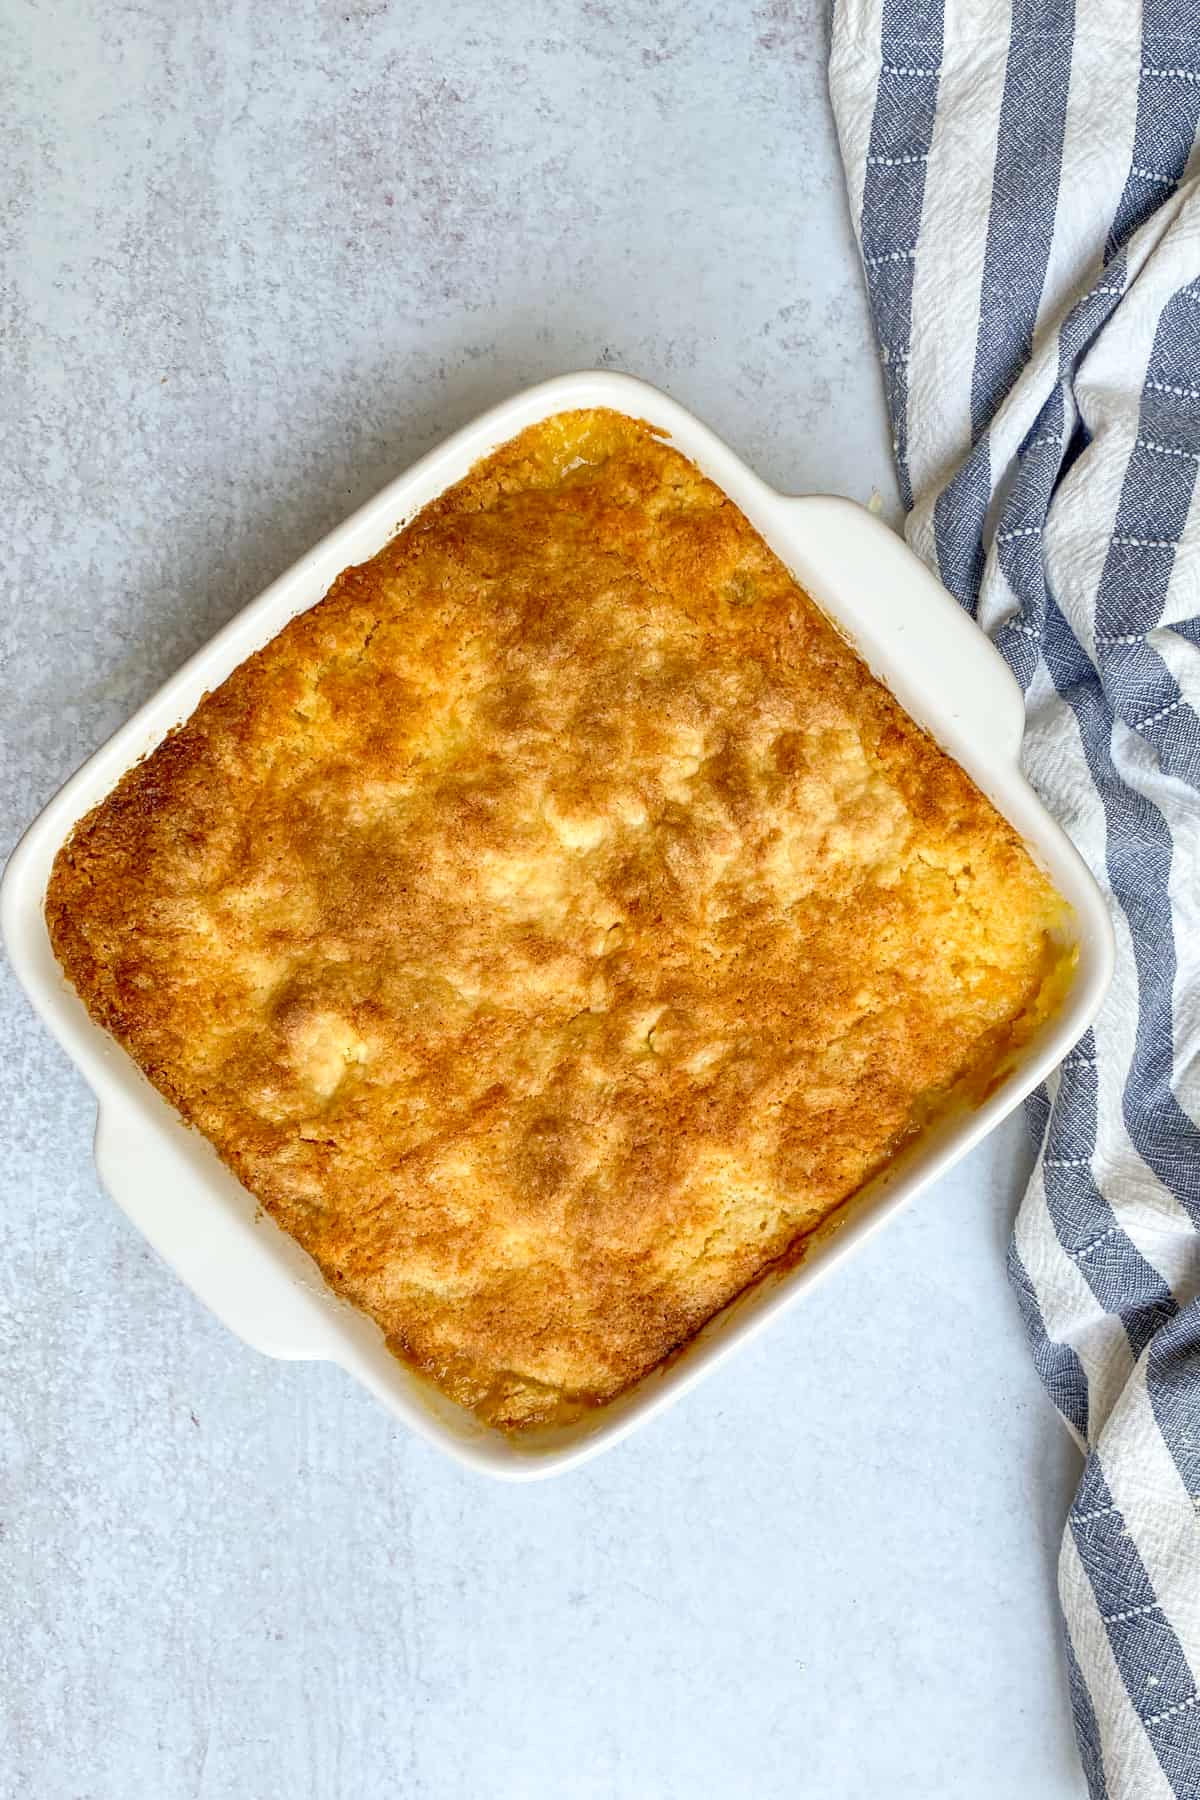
(556, 922)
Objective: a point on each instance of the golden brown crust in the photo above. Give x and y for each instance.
(555, 923)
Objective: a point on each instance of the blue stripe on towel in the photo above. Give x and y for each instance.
(1171, 1372)
(1033, 113)
(1158, 1679)
(1087, 1729)
(1084, 1222)
(1055, 436)
(1167, 115)
(1155, 500)
(894, 193)
(1057, 1363)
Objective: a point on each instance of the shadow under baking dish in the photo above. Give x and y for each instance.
(205, 1225)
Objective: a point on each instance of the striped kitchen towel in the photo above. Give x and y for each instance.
(1023, 181)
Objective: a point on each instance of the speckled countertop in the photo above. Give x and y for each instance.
(258, 259)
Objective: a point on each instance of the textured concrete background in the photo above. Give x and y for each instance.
(259, 258)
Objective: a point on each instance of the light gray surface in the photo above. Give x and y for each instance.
(260, 259)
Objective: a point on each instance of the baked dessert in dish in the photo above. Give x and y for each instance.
(557, 922)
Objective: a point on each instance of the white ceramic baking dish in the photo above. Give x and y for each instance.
(207, 1227)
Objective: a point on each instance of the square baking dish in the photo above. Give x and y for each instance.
(209, 1229)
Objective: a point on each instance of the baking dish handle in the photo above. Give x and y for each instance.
(942, 668)
(257, 1280)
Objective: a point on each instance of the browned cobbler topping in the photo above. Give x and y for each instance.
(556, 922)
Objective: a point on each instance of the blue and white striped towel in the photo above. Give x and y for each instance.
(1023, 179)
